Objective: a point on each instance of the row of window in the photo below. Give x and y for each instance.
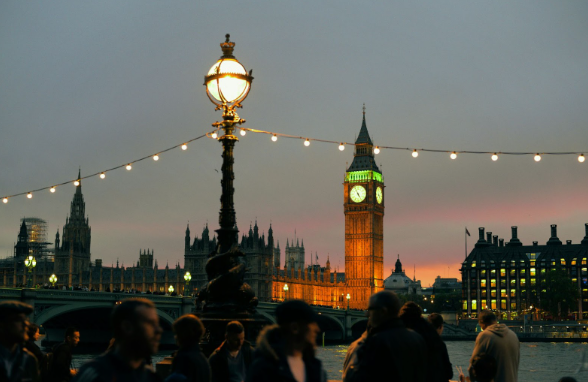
(532, 262)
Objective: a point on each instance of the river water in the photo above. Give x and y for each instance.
(540, 361)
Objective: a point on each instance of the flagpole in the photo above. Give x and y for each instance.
(466, 242)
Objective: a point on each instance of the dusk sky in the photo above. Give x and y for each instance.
(99, 84)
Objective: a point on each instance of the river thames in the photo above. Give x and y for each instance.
(540, 361)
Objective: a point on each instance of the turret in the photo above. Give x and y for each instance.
(187, 238)
(398, 266)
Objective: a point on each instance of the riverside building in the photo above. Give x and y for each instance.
(507, 277)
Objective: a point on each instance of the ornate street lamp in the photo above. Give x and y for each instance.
(227, 85)
(285, 291)
(348, 297)
(53, 280)
(30, 263)
(170, 289)
(187, 277)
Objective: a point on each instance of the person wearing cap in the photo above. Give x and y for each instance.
(16, 363)
(285, 352)
(391, 352)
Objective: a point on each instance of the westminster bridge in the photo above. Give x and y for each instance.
(56, 310)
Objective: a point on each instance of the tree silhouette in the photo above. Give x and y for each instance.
(558, 293)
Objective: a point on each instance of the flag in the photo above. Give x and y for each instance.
(468, 232)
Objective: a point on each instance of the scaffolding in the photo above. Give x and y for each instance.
(37, 237)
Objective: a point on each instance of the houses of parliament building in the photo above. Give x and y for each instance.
(268, 272)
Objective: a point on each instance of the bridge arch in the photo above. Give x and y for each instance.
(332, 327)
(270, 318)
(53, 312)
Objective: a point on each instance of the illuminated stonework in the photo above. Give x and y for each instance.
(364, 224)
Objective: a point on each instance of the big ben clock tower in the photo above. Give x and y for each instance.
(363, 198)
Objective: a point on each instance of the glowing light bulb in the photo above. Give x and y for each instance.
(243, 132)
(415, 153)
(185, 146)
(5, 200)
(52, 189)
(377, 150)
(129, 167)
(77, 183)
(29, 195)
(537, 157)
(581, 158)
(307, 142)
(494, 157)
(156, 157)
(274, 137)
(214, 135)
(453, 155)
(102, 175)
(341, 146)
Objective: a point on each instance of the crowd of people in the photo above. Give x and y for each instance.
(398, 345)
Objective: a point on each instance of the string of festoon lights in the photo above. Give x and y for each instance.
(415, 151)
(494, 155)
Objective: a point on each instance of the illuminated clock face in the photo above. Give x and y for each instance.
(358, 194)
(379, 195)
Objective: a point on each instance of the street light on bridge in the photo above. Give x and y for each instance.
(170, 289)
(53, 280)
(30, 263)
(187, 277)
(285, 291)
(348, 297)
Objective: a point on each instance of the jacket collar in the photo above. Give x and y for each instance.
(393, 323)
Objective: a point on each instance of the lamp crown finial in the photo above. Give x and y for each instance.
(227, 46)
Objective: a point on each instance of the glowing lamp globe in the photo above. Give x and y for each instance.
(581, 158)
(227, 82)
(187, 277)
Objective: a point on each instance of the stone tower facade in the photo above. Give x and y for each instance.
(72, 252)
(146, 259)
(363, 198)
(261, 255)
(295, 255)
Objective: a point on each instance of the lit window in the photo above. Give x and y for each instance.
(562, 261)
(503, 293)
(502, 272)
(543, 270)
(465, 305)
(533, 282)
(483, 283)
(533, 263)
(483, 273)
(513, 282)
(474, 305)
(473, 264)
(584, 261)
(532, 271)
(513, 293)
(493, 293)
(574, 261)
(493, 304)
(523, 271)
(493, 272)
(523, 281)
(512, 272)
(513, 306)
(493, 283)
(503, 304)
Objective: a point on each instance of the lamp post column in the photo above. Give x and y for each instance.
(227, 219)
